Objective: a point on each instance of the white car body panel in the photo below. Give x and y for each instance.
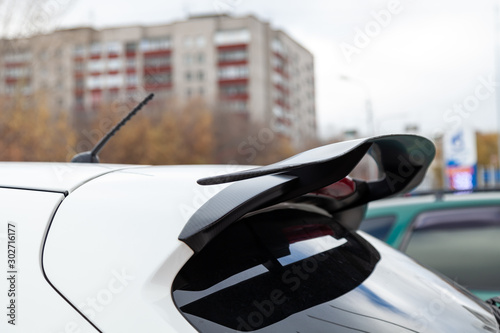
(112, 249)
(98, 263)
(106, 238)
(30, 212)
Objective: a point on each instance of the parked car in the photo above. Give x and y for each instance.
(454, 233)
(116, 248)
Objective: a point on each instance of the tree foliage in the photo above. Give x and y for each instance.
(239, 140)
(31, 132)
(160, 135)
(487, 149)
(170, 133)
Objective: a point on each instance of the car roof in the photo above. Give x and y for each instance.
(450, 199)
(54, 177)
(66, 177)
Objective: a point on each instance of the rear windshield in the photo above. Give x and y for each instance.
(260, 272)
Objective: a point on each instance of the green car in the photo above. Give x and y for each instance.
(457, 234)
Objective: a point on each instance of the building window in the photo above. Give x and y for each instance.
(157, 61)
(95, 48)
(96, 97)
(279, 64)
(114, 47)
(79, 50)
(79, 84)
(200, 41)
(114, 64)
(200, 75)
(114, 80)
(94, 82)
(17, 57)
(43, 55)
(233, 55)
(188, 41)
(79, 66)
(233, 89)
(278, 111)
(188, 75)
(104, 81)
(17, 72)
(95, 65)
(155, 44)
(79, 100)
(113, 95)
(132, 80)
(131, 62)
(201, 58)
(27, 89)
(158, 79)
(233, 72)
(239, 106)
(236, 36)
(201, 91)
(189, 92)
(279, 95)
(279, 80)
(192, 58)
(10, 89)
(131, 47)
(277, 46)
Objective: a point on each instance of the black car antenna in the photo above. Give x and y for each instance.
(91, 156)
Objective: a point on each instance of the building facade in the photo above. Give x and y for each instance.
(236, 63)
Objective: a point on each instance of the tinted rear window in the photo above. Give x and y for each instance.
(266, 268)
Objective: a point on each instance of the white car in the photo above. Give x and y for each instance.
(114, 248)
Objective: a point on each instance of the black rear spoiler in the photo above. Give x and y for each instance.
(402, 161)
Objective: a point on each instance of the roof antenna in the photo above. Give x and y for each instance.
(91, 156)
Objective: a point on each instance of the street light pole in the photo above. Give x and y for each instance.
(497, 75)
(373, 170)
(368, 103)
(369, 115)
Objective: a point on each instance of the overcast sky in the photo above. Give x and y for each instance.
(419, 64)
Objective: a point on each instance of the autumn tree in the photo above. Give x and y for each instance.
(29, 131)
(165, 132)
(159, 134)
(487, 149)
(239, 140)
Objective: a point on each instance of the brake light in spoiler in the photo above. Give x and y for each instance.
(339, 190)
(402, 161)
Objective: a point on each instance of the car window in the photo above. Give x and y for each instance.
(378, 227)
(462, 244)
(262, 271)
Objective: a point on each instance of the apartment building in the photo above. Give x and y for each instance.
(240, 64)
